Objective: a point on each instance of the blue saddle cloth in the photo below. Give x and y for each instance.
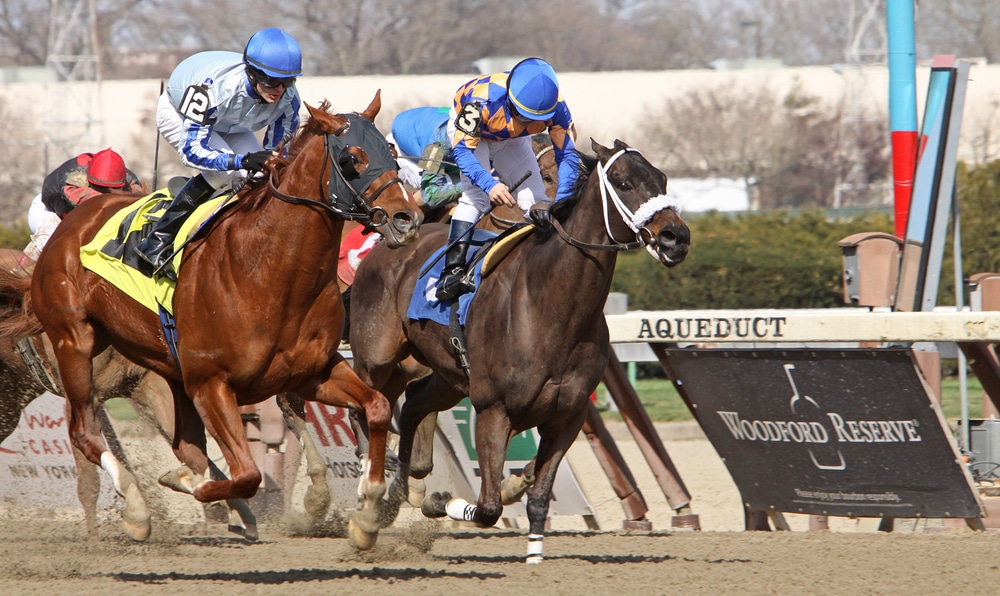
(423, 304)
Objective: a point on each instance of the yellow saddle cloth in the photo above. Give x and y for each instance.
(111, 254)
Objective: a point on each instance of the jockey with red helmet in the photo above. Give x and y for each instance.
(76, 180)
(213, 104)
(490, 128)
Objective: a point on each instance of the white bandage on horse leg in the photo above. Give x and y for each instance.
(534, 549)
(460, 509)
(110, 464)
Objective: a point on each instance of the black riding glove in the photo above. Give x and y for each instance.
(539, 213)
(254, 161)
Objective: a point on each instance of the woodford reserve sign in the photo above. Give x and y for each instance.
(829, 432)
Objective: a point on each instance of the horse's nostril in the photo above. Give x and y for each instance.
(402, 222)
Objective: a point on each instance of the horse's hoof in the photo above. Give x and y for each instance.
(316, 501)
(135, 517)
(247, 533)
(417, 492)
(512, 488)
(360, 539)
(242, 521)
(182, 480)
(434, 505)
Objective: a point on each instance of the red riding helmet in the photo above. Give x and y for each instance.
(107, 168)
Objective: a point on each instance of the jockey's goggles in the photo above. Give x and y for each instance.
(270, 82)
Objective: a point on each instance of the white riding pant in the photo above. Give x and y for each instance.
(171, 126)
(42, 223)
(509, 160)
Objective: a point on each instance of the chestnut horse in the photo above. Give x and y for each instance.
(114, 376)
(536, 334)
(251, 322)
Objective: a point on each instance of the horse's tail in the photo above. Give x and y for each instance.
(17, 316)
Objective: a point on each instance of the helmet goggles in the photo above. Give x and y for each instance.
(266, 80)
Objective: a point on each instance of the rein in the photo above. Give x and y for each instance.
(360, 209)
(636, 221)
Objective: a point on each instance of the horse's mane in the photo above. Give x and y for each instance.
(587, 165)
(255, 191)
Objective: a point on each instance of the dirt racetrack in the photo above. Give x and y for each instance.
(52, 554)
(49, 558)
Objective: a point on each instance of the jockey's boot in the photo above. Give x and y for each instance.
(453, 283)
(157, 247)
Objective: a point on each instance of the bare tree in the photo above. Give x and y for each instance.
(24, 27)
(23, 171)
(790, 148)
(965, 27)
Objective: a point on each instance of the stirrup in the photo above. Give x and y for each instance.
(453, 284)
(159, 262)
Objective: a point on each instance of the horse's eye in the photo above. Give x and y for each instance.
(623, 185)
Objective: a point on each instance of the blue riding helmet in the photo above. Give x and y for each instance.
(275, 53)
(533, 89)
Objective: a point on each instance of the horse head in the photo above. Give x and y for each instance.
(636, 191)
(363, 180)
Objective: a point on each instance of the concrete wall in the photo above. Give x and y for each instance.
(605, 106)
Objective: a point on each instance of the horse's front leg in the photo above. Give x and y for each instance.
(552, 446)
(76, 372)
(317, 498)
(345, 388)
(422, 460)
(216, 402)
(493, 431)
(164, 404)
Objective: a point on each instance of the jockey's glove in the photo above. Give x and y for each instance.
(539, 214)
(254, 161)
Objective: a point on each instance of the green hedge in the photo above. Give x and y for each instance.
(15, 236)
(783, 259)
(771, 259)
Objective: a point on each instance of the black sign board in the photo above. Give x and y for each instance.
(844, 432)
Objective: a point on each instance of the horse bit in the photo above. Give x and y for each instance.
(344, 194)
(636, 221)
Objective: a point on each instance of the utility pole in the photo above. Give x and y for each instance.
(74, 116)
(868, 47)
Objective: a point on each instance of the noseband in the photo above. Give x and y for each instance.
(345, 197)
(635, 221)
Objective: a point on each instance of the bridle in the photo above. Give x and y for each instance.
(345, 198)
(636, 221)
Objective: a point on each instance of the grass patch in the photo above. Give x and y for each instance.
(120, 408)
(663, 404)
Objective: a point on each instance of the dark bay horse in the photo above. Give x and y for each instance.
(536, 334)
(251, 322)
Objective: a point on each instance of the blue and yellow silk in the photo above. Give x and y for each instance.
(487, 97)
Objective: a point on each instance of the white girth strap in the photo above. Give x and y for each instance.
(642, 215)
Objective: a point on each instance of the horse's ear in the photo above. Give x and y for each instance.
(372, 110)
(603, 153)
(620, 145)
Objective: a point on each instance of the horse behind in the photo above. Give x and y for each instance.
(536, 334)
(250, 322)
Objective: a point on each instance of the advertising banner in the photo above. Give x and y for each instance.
(37, 468)
(845, 432)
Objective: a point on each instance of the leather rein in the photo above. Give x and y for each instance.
(361, 209)
(643, 235)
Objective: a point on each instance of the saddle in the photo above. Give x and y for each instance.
(490, 250)
(111, 254)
